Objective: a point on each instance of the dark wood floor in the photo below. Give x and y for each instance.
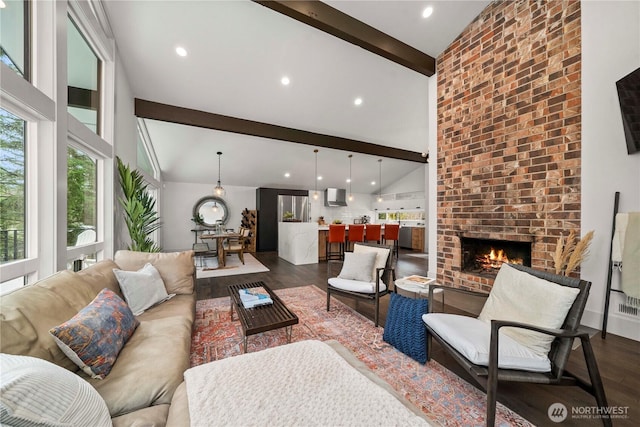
(618, 358)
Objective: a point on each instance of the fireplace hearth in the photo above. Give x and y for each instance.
(484, 257)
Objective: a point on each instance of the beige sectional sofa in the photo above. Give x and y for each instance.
(146, 376)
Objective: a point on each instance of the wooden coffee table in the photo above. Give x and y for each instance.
(262, 318)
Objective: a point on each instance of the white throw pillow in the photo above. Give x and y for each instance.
(381, 255)
(358, 266)
(142, 289)
(521, 297)
(36, 392)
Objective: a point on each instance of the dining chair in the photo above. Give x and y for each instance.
(237, 244)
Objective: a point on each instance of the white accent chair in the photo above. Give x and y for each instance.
(524, 332)
(370, 284)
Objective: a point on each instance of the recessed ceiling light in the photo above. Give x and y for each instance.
(319, 178)
(427, 12)
(348, 180)
(285, 81)
(373, 183)
(181, 51)
(287, 174)
(357, 101)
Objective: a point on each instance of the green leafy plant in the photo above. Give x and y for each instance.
(198, 219)
(139, 209)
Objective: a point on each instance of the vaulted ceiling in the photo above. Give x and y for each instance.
(238, 52)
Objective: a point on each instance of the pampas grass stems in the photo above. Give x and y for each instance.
(568, 256)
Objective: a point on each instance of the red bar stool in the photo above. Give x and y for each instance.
(372, 232)
(356, 235)
(336, 235)
(391, 234)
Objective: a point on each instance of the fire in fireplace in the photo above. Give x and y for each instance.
(484, 257)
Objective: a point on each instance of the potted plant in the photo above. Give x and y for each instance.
(139, 209)
(288, 216)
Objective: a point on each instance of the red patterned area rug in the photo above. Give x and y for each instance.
(442, 395)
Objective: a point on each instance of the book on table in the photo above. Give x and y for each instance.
(253, 297)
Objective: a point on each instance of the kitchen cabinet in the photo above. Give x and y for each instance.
(417, 238)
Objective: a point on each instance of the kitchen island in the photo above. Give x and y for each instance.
(298, 242)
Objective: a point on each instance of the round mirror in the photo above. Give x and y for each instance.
(213, 210)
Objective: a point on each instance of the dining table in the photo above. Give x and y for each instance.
(219, 238)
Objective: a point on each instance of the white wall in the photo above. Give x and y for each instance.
(359, 206)
(610, 50)
(177, 207)
(124, 146)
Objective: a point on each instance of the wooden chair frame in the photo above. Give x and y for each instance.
(489, 376)
(389, 275)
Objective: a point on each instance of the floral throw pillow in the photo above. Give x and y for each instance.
(93, 338)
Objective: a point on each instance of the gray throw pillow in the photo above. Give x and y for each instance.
(358, 266)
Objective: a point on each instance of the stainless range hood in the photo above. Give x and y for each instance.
(335, 197)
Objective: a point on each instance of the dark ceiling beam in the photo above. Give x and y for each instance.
(185, 116)
(325, 18)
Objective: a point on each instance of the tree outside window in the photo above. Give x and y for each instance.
(81, 194)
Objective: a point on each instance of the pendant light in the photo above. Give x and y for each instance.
(315, 178)
(219, 190)
(380, 180)
(350, 193)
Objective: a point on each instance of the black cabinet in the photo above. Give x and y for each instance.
(267, 206)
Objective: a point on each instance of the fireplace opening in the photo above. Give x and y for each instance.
(484, 257)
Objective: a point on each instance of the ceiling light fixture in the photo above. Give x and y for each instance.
(357, 101)
(285, 81)
(315, 181)
(219, 190)
(181, 51)
(215, 207)
(380, 181)
(427, 12)
(287, 174)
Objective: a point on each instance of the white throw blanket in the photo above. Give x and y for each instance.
(301, 384)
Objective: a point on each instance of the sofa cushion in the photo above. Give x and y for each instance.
(150, 367)
(142, 289)
(520, 297)
(30, 312)
(100, 275)
(471, 337)
(177, 269)
(93, 337)
(36, 392)
(358, 266)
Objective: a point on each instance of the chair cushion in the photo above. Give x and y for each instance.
(36, 392)
(471, 336)
(520, 297)
(141, 289)
(356, 285)
(404, 329)
(358, 266)
(93, 338)
(381, 255)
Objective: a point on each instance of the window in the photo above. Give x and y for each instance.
(83, 79)
(14, 35)
(81, 198)
(12, 187)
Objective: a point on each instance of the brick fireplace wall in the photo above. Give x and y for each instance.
(509, 132)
